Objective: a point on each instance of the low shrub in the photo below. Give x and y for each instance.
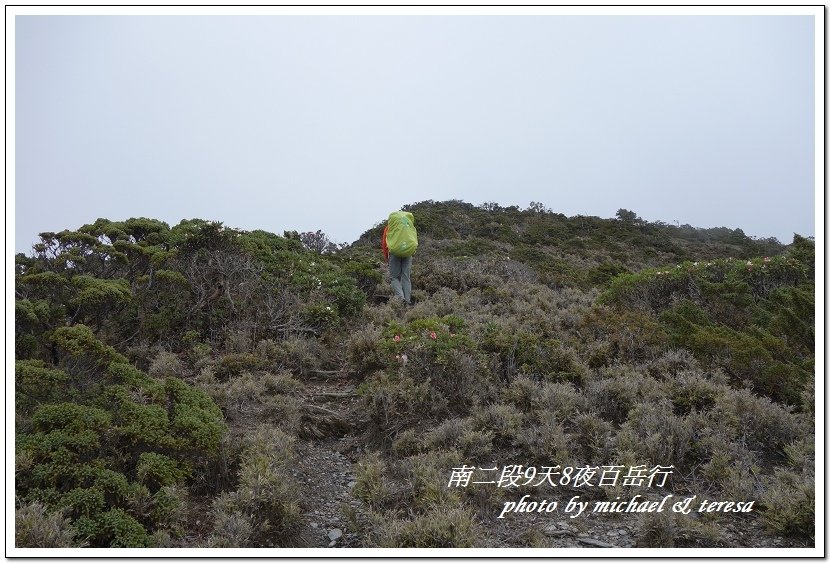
(197, 421)
(801, 454)
(157, 470)
(751, 318)
(604, 273)
(504, 421)
(458, 434)
(396, 402)
(407, 443)
(37, 526)
(440, 527)
(371, 483)
(789, 504)
(592, 438)
(267, 494)
(619, 389)
(693, 391)
(631, 336)
(234, 365)
(113, 460)
(655, 289)
(114, 528)
(238, 341)
(252, 397)
(756, 421)
(672, 362)
(300, 355)
(166, 364)
(169, 509)
(546, 441)
(231, 527)
(457, 376)
(268, 350)
(729, 464)
(475, 445)
(436, 351)
(458, 274)
(752, 355)
(446, 435)
(365, 353)
(562, 400)
(669, 529)
(426, 476)
(527, 352)
(521, 392)
(656, 434)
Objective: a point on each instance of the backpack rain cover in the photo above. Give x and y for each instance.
(401, 238)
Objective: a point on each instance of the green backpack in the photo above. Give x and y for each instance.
(401, 238)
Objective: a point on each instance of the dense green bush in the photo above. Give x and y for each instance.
(740, 282)
(36, 383)
(98, 433)
(750, 318)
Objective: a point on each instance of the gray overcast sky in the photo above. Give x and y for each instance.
(330, 122)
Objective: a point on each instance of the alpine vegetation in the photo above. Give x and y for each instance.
(533, 380)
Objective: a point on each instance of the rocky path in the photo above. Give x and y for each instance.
(326, 453)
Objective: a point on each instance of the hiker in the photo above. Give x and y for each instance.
(399, 243)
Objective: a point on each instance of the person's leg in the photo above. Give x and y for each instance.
(395, 267)
(406, 282)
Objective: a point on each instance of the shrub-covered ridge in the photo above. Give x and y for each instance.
(166, 375)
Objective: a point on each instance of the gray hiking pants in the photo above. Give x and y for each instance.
(399, 270)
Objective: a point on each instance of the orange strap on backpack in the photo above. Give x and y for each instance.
(383, 244)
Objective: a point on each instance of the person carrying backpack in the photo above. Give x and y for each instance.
(399, 243)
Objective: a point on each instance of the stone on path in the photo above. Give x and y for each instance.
(593, 542)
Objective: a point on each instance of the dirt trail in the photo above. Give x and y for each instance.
(326, 451)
